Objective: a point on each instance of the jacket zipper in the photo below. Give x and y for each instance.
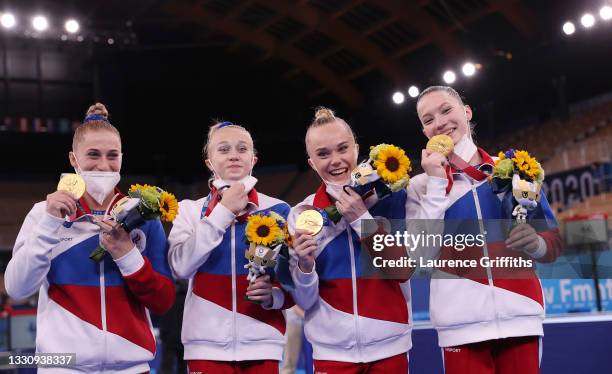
(233, 248)
(354, 284)
(485, 250)
(103, 310)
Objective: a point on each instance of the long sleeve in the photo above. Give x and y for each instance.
(306, 285)
(548, 230)
(306, 291)
(426, 205)
(281, 298)
(427, 198)
(31, 259)
(281, 286)
(148, 274)
(192, 239)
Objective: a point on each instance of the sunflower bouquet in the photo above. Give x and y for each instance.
(143, 203)
(386, 170)
(266, 233)
(518, 172)
(517, 162)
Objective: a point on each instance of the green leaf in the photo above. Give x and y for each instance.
(98, 254)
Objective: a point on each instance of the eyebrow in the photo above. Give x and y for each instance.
(225, 142)
(325, 148)
(99, 151)
(439, 106)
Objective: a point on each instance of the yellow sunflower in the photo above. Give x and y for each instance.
(392, 163)
(501, 156)
(137, 187)
(168, 206)
(262, 230)
(526, 164)
(288, 237)
(534, 168)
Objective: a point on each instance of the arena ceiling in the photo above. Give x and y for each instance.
(340, 47)
(177, 64)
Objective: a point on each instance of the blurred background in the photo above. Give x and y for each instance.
(537, 75)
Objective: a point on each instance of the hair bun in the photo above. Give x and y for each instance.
(97, 109)
(323, 113)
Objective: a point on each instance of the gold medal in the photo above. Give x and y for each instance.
(310, 220)
(72, 183)
(441, 144)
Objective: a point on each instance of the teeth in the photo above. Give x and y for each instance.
(338, 172)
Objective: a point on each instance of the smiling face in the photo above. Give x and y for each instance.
(441, 113)
(97, 150)
(332, 151)
(230, 153)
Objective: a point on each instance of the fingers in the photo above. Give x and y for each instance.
(65, 209)
(520, 235)
(340, 207)
(299, 232)
(518, 232)
(263, 300)
(237, 187)
(262, 282)
(349, 198)
(529, 242)
(259, 294)
(104, 225)
(63, 202)
(111, 228)
(305, 245)
(443, 160)
(260, 289)
(306, 249)
(64, 196)
(352, 193)
(301, 235)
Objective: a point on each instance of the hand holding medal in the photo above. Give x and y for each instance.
(63, 202)
(308, 223)
(442, 144)
(434, 156)
(310, 220)
(72, 183)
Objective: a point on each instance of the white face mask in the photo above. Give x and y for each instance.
(248, 181)
(465, 147)
(98, 184)
(334, 189)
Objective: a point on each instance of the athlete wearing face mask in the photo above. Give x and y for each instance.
(98, 184)
(207, 246)
(347, 318)
(223, 186)
(50, 257)
(219, 183)
(336, 188)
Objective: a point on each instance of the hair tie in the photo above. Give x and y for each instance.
(225, 124)
(95, 117)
